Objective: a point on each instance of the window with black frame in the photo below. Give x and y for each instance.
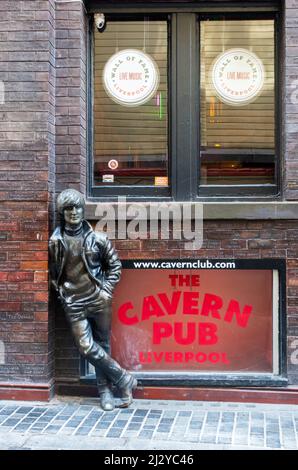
(237, 102)
(130, 104)
(184, 106)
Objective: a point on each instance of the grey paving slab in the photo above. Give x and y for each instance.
(72, 423)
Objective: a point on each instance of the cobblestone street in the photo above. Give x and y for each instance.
(76, 423)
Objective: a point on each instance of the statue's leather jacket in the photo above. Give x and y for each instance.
(99, 256)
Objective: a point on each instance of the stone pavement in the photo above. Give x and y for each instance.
(77, 423)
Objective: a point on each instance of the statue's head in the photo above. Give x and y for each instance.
(71, 206)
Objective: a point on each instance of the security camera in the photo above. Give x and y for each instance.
(100, 21)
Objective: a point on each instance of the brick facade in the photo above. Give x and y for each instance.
(71, 95)
(27, 182)
(43, 149)
(43, 135)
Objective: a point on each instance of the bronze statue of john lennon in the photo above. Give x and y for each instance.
(84, 269)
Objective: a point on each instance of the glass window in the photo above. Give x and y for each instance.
(185, 105)
(131, 104)
(198, 320)
(237, 102)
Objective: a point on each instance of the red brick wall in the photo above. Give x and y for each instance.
(71, 146)
(26, 182)
(71, 57)
(43, 150)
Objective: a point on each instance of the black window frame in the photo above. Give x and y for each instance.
(221, 379)
(134, 192)
(184, 115)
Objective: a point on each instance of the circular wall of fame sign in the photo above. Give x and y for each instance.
(113, 164)
(238, 76)
(131, 77)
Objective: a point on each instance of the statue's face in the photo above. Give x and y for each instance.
(73, 215)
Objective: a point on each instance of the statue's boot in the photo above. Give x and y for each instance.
(106, 397)
(126, 385)
(124, 381)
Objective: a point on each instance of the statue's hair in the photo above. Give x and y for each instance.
(70, 197)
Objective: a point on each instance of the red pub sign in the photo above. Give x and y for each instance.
(195, 319)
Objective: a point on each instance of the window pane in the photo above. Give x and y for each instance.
(237, 102)
(130, 126)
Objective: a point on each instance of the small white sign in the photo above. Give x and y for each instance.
(108, 178)
(131, 77)
(238, 76)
